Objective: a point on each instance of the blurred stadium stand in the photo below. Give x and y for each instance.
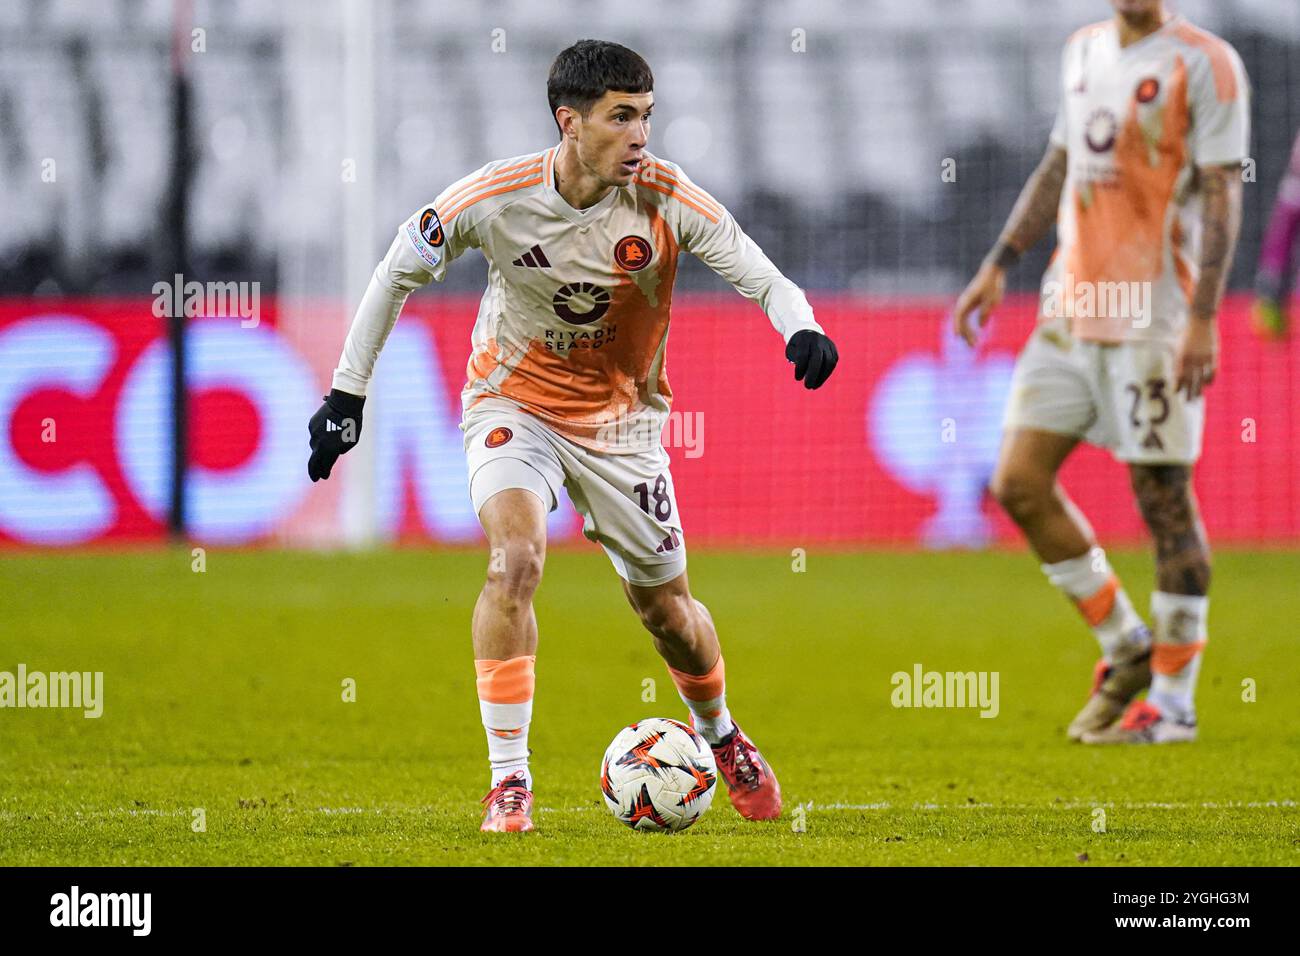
(830, 158)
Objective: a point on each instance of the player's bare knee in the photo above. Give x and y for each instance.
(1022, 495)
(515, 571)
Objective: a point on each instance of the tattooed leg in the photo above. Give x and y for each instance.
(1168, 505)
(1179, 605)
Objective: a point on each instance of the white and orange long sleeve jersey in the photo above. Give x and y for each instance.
(573, 325)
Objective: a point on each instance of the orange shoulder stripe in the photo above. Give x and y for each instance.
(680, 197)
(690, 189)
(479, 197)
(1225, 78)
(491, 179)
(548, 165)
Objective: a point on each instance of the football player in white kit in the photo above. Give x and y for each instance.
(1143, 179)
(566, 387)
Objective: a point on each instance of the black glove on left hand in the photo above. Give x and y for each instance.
(335, 429)
(814, 357)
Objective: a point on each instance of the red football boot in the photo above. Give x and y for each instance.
(508, 806)
(751, 784)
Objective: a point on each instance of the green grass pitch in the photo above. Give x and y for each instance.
(223, 691)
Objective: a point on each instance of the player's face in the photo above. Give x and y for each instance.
(612, 137)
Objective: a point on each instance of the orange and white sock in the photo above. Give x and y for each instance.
(1095, 590)
(705, 696)
(505, 701)
(1181, 633)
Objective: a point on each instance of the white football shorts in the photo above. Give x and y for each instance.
(627, 502)
(1120, 397)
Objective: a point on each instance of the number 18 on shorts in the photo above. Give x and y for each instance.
(627, 501)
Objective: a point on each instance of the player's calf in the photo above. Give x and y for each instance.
(504, 625)
(505, 645)
(680, 626)
(1179, 606)
(685, 637)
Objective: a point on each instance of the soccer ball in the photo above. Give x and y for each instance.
(658, 774)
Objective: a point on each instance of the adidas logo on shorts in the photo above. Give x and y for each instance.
(669, 543)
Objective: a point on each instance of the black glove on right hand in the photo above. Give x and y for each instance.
(334, 430)
(814, 356)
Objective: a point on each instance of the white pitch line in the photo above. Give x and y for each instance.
(810, 806)
(1075, 805)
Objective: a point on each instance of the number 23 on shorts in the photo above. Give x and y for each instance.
(1155, 394)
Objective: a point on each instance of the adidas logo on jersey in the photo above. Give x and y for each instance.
(332, 426)
(534, 258)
